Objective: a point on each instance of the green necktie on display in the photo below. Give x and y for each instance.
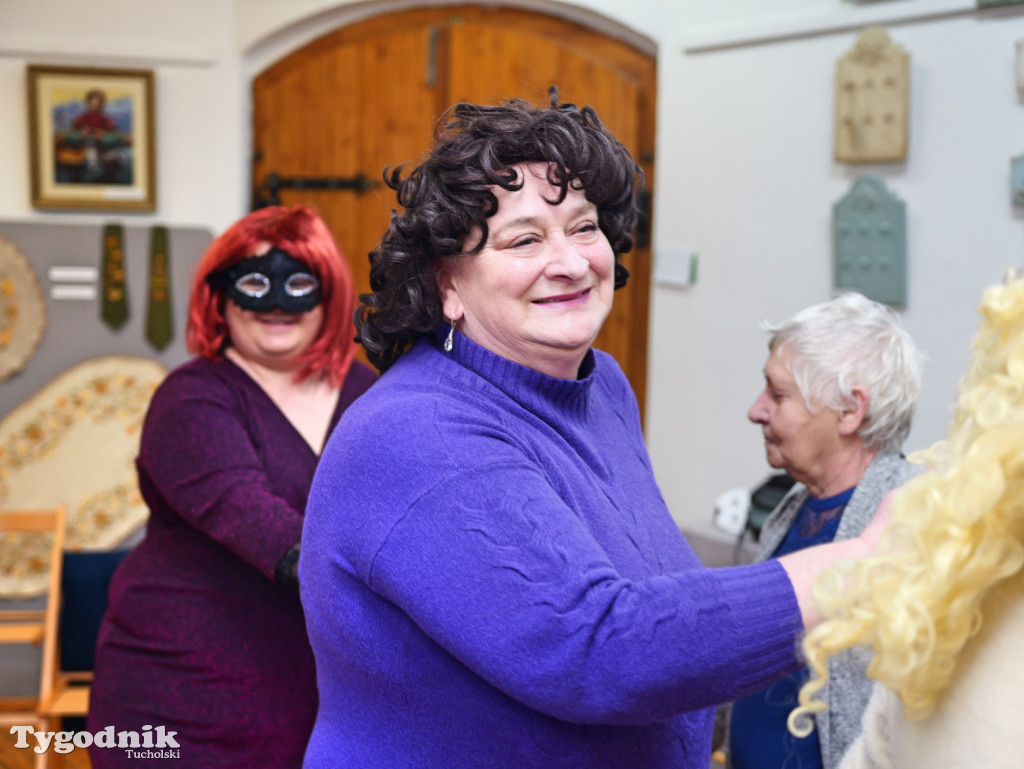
(159, 324)
(114, 307)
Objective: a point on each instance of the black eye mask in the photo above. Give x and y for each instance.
(274, 281)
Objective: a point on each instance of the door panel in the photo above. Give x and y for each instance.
(368, 96)
(332, 112)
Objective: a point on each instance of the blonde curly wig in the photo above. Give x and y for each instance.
(956, 532)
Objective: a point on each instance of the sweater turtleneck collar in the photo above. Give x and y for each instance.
(528, 387)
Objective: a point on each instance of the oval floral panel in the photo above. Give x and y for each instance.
(75, 441)
(22, 310)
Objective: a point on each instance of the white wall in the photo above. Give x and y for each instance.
(743, 165)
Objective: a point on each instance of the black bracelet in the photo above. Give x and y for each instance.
(287, 571)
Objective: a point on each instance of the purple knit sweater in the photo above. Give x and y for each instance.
(491, 579)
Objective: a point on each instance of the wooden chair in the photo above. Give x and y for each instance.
(84, 587)
(35, 626)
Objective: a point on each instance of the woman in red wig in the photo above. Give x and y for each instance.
(204, 635)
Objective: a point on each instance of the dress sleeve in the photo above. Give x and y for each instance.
(197, 453)
(496, 568)
(873, 749)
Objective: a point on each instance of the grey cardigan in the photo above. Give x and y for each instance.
(849, 689)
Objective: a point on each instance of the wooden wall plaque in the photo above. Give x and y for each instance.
(872, 100)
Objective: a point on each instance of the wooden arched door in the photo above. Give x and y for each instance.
(367, 96)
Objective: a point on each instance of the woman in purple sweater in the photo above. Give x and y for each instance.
(503, 585)
(204, 634)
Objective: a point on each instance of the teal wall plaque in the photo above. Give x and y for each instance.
(869, 232)
(1017, 179)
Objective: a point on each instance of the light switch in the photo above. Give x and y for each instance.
(675, 266)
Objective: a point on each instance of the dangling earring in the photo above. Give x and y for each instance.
(448, 341)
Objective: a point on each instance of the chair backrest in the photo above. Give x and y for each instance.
(85, 583)
(19, 626)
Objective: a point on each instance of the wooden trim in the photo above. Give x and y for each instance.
(28, 520)
(624, 55)
(53, 602)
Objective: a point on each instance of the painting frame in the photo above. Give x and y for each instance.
(92, 138)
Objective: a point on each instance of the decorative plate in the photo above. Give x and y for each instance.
(75, 441)
(22, 310)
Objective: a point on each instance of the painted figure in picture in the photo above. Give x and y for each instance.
(95, 150)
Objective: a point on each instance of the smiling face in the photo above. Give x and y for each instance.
(541, 287)
(797, 440)
(272, 339)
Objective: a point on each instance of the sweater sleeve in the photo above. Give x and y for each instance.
(500, 572)
(198, 455)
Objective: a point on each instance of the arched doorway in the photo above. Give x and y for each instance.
(366, 96)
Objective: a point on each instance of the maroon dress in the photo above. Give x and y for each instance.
(198, 637)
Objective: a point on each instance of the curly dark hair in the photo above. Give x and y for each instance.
(450, 193)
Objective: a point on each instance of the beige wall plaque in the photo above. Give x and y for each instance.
(75, 441)
(872, 100)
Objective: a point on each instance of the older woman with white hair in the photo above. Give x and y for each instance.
(841, 386)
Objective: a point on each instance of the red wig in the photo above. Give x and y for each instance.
(302, 233)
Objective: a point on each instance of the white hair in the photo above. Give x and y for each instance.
(853, 341)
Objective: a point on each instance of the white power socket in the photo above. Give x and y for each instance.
(731, 511)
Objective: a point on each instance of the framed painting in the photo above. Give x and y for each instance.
(91, 138)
